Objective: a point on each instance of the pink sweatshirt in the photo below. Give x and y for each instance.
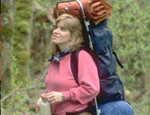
(60, 79)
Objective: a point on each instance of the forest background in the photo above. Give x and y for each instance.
(25, 34)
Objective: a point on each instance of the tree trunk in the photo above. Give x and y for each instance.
(21, 40)
(6, 46)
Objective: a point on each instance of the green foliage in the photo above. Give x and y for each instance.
(42, 14)
(40, 40)
(14, 72)
(45, 3)
(20, 98)
(15, 84)
(24, 14)
(21, 40)
(130, 26)
(7, 25)
(7, 34)
(23, 27)
(24, 4)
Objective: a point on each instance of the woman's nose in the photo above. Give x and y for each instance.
(55, 30)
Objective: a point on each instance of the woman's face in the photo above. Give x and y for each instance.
(61, 36)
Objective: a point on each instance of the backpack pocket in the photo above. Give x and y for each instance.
(111, 89)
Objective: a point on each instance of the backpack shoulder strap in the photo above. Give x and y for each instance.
(74, 64)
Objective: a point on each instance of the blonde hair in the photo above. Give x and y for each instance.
(73, 25)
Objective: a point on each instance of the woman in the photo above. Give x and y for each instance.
(65, 95)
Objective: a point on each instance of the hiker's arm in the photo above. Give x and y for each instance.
(88, 81)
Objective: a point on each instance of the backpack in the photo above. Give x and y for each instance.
(111, 85)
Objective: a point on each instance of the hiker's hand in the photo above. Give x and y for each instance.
(53, 97)
(37, 108)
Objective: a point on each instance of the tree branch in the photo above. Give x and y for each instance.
(50, 15)
(15, 90)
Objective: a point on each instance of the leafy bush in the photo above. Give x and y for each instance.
(130, 26)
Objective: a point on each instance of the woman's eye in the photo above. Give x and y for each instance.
(62, 28)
